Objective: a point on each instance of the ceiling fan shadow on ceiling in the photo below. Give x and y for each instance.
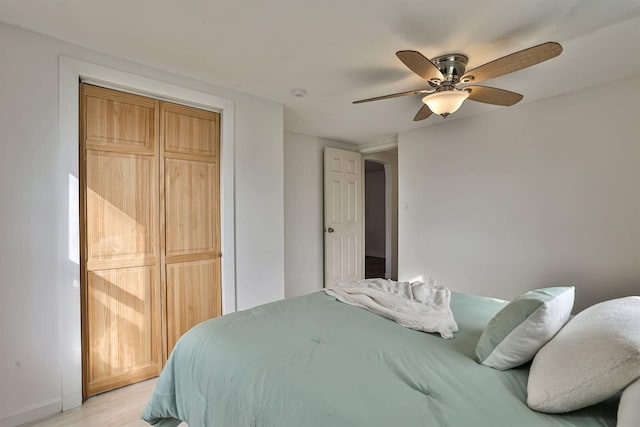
(449, 84)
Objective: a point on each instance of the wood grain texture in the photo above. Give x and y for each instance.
(120, 266)
(122, 197)
(119, 120)
(492, 95)
(422, 113)
(123, 327)
(150, 232)
(190, 207)
(190, 220)
(419, 64)
(514, 62)
(190, 131)
(184, 281)
(393, 95)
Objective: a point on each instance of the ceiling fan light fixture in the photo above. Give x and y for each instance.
(445, 102)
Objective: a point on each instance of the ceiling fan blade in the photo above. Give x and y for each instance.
(492, 95)
(422, 114)
(393, 95)
(419, 64)
(514, 62)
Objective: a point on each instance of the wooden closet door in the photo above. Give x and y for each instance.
(190, 220)
(120, 265)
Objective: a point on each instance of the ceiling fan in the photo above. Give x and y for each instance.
(446, 73)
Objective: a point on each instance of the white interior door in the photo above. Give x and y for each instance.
(343, 217)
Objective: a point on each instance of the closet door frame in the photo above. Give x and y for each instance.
(73, 71)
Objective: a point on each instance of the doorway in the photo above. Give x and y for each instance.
(381, 214)
(374, 220)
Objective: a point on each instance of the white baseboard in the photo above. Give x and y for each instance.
(71, 401)
(32, 413)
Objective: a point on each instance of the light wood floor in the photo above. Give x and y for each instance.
(121, 408)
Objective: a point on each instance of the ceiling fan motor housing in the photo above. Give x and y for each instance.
(452, 66)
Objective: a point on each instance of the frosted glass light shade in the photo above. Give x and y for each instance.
(446, 102)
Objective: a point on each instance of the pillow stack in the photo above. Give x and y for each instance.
(516, 333)
(628, 410)
(595, 356)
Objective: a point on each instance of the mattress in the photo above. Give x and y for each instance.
(313, 361)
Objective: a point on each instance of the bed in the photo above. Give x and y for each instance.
(314, 361)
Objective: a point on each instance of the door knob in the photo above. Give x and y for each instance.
(330, 230)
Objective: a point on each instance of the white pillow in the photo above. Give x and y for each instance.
(629, 406)
(516, 333)
(595, 356)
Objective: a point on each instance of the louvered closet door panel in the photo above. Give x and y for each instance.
(121, 314)
(191, 220)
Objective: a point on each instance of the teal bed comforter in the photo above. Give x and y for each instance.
(314, 361)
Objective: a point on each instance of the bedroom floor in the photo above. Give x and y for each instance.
(121, 408)
(373, 267)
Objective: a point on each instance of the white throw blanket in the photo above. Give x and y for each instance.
(417, 305)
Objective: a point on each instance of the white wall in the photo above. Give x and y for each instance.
(31, 216)
(527, 196)
(259, 202)
(303, 212)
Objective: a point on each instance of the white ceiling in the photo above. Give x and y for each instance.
(343, 50)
